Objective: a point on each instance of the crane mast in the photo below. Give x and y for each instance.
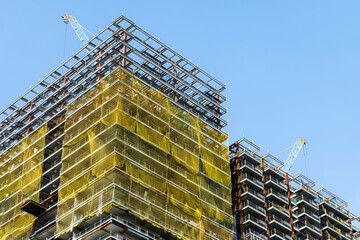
(77, 28)
(293, 154)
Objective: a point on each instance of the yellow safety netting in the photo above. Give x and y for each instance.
(20, 177)
(127, 145)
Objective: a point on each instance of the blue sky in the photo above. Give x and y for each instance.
(291, 67)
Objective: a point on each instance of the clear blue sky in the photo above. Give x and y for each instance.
(291, 67)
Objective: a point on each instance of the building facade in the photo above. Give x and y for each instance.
(270, 204)
(122, 141)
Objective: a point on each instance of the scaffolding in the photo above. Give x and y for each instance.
(127, 145)
(179, 140)
(20, 179)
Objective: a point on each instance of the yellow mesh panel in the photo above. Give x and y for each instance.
(146, 178)
(214, 167)
(127, 145)
(184, 135)
(184, 201)
(190, 229)
(214, 154)
(20, 178)
(153, 116)
(213, 229)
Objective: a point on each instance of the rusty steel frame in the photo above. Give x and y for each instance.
(122, 43)
(244, 146)
(237, 189)
(264, 192)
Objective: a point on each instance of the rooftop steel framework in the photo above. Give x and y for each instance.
(123, 45)
(120, 43)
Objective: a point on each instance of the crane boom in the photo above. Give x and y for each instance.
(77, 28)
(293, 154)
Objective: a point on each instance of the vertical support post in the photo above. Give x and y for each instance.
(62, 103)
(123, 64)
(62, 117)
(217, 108)
(29, 120)
(99, 65)
(239, 192)
(175, 84)
(263, 180)
(63, 93)
(349, 222)
(98, 77)
(290, 207)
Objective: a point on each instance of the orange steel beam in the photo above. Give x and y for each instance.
(63, 103)
(265, 198)
(217, 108)
(349, 222)
(124, 51)
(29, 120)
(98, 77)
(175, 83)
(239, 200)
(290, 207)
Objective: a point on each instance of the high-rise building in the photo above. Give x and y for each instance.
(121, 141)
(124, 141)
(270, 204)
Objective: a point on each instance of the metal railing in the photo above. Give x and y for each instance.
(332, 215)
(250, 165)
(303, 198)
(276, 193)
(306, 211)
(252, 218)
(271, 178)
(253, 205)
(252, 235)
(336, 229)
(279, 220)
(257, 194)
(251, 178)
(279, 233)
(282, 209)
(307, 224)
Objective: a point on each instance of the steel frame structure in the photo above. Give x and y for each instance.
(244, 146)
(120, 43)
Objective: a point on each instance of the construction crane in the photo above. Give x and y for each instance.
(293, 155)
(79, 30)
(286, 167)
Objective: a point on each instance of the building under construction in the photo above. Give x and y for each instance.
(122, 141)
(270, 204)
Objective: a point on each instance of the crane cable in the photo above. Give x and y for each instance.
(66, 28)
(86, 30)
(306, 169)
(285, 149)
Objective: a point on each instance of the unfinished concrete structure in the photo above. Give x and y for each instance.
(122, 141)
(270, 204)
